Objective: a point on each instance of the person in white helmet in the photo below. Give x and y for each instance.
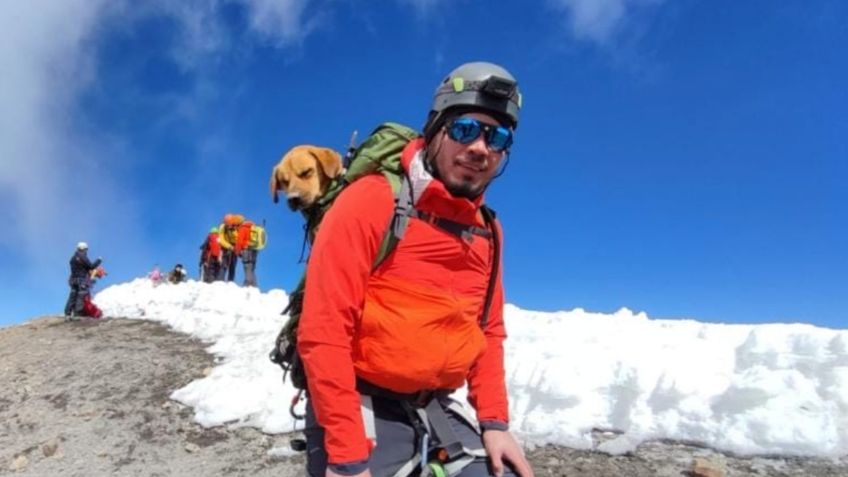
(79, 281)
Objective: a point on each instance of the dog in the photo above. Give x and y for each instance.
(304, 173)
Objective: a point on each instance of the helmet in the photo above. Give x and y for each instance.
(213, 230)
(82, 246)
(233, 219)
(476, 85)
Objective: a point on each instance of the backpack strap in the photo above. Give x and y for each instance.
(402, 190)
(491, 223)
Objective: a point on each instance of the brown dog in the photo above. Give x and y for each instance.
(304, 173)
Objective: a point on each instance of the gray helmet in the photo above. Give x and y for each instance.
(477, 85)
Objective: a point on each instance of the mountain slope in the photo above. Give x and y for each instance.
(92, 398)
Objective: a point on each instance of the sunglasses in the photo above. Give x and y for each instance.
(467, 130)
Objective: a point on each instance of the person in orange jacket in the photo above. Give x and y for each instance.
(211, 258)
(241, 239)
(382, 348)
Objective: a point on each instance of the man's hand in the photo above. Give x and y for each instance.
(330, 473)
(501, 446)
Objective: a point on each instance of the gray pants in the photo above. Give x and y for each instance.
(76, 299)
(397, 442)
(248, 259)
(213, 270)
(229, 265)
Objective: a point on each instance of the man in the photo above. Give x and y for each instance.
(384, 347)
(79, 281)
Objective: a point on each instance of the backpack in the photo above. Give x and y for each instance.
(257, 237)
(380, 153)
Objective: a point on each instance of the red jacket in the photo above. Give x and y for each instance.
(243, 240)
(212, 249)
(412, 324)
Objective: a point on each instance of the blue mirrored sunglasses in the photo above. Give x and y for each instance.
(467, 130)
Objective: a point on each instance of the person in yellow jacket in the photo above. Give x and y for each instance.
(240, 238)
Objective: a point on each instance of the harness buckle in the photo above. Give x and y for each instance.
(421, 398)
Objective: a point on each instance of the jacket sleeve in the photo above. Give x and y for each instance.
(222, 239)
(487, 382)
(337, 274)
(88, 264)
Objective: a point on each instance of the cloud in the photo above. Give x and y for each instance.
(599, 21)
(51, 177)
(62, 180)
(281, 21)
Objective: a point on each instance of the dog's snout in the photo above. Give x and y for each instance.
(294, 203)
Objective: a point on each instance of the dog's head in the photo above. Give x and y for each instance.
(304, 173)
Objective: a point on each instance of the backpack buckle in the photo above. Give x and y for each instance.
(467, 236)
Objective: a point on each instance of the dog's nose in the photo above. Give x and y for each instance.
(295, 203)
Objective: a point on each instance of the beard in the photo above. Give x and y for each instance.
(465, 189)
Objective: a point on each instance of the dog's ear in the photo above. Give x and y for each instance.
(330, 160)
(276, 175)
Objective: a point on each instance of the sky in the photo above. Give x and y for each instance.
(683, 158)
(776, 389)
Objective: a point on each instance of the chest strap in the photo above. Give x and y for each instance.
(463, 231)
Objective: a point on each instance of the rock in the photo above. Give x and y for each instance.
(50, 447)
(705, 468)
(192, 448)
(19, 463)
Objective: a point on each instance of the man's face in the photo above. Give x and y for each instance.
(466, 169)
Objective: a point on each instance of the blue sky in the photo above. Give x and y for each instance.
(683, 158)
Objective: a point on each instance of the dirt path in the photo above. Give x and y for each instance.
(91, 399)
(97, 393)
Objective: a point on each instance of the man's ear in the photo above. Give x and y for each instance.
(330, 161)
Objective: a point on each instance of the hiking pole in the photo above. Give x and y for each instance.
(351, 149)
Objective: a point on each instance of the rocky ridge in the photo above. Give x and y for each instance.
(91, 398)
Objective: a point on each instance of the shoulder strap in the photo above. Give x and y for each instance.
(402, 190)
(491, 223)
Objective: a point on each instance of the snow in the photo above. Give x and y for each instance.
(747, 389)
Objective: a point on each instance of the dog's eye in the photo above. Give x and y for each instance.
(306, 174)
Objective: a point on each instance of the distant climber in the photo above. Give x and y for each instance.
(156, 276)
(79, 281)
(178, 274)
(241, 239)
(211, 258)
(89, 309)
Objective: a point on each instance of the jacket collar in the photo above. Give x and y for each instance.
(430, 193)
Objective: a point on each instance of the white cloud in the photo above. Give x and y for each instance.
(61, 180)
(53, 179)
(598, 20)
(281, 21)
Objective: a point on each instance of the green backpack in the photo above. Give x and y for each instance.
(380, 153)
